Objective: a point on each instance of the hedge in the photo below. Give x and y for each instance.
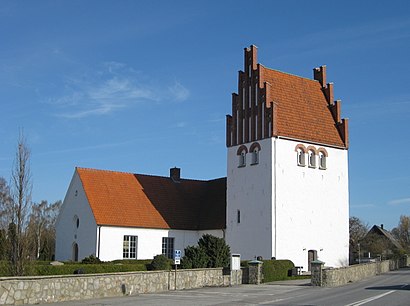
(44, 268)
(274, 270)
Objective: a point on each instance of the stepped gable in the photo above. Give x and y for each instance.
(271, 103)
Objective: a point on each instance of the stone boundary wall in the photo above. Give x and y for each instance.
(47, 289)
(332, 277)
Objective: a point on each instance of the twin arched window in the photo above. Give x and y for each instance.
(313, 154)
(254, 150)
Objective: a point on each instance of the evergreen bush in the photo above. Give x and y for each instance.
(161, 262)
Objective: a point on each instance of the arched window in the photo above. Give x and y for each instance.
(300, 155)
(255, 148)
(322, 158)
(312, 159)
(242, 150)
(301, 158)
(322, 161)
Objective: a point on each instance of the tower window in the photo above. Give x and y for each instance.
(255, 156)
(322, 161)
(312, 159)
(242, 150)
(255, 149)
(242, 159)
(301, 158)
(238, 216)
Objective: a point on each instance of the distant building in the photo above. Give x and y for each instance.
(379, 243)
(285, 196)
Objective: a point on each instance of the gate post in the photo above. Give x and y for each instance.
(317, 273)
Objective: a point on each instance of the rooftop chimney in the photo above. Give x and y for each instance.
(381, 225)
(175, 174)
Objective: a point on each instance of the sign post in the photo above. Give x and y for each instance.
(177, 261)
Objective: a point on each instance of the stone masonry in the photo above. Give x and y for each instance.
(46, 289)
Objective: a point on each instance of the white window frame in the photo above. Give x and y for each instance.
(322, 161)
(130, 247)
(168, 246)
(301, 158)
(312, 159)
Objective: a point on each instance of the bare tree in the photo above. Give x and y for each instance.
(5, 204)
(357, 230)
(402, 232)
(41, 229)
(21, 187)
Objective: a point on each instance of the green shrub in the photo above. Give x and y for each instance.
(91, 260)
(274, 270)
(216, 249)
(195, 257)
(161, 262)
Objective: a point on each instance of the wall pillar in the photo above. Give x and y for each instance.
(255, 272)
(317, 272)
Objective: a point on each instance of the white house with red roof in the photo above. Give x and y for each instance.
(117, 215)
(285, 196)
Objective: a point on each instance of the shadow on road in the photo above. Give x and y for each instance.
(395, 287)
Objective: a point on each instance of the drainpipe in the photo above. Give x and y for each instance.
(99, 239)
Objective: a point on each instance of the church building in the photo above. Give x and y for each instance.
(285, 196)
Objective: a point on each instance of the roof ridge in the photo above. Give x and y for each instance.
(149, 175)
(103, 170)
(291, 74)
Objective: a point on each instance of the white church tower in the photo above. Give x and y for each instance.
(287, 180)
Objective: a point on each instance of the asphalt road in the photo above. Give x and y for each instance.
(392, 288)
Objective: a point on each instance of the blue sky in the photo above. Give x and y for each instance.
(142, 86)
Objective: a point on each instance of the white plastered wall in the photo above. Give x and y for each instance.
(149, 241)
(312, 206)
(249, 190)
(67, 233)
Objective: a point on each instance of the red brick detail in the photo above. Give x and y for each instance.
(311, 148)
(300, 147)
(229, 133)
(281, 104)
(323, 150)
(319, 74)
(241, 149)
(254, 146)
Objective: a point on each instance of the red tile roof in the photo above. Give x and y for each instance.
(302, 109)
(270, 103)
(137, 200)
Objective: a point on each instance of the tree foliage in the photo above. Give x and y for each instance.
(195, 258)
(402, 232)
(161, 262)
(211, 252)
(41, 229)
